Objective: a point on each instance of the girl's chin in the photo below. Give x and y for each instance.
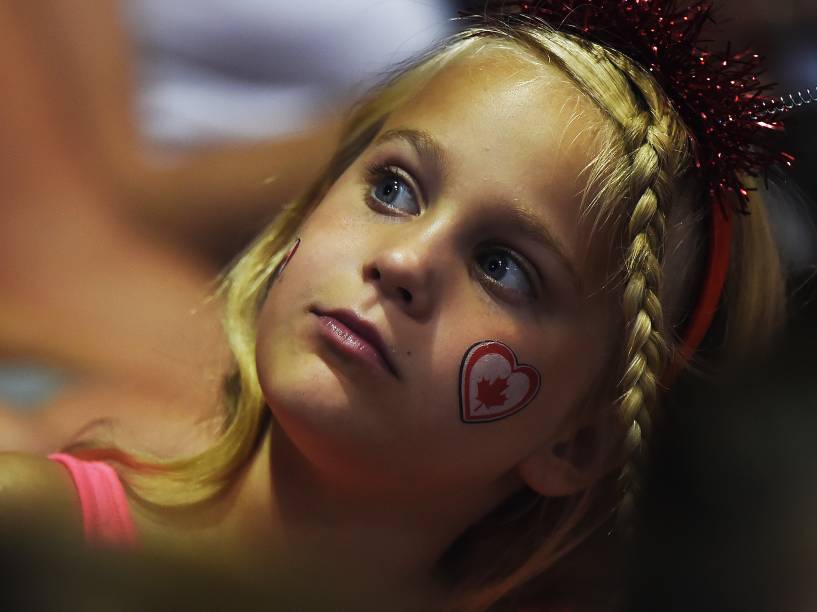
(329, 440)
(308, 391)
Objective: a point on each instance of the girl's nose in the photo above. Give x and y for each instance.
(404, 276)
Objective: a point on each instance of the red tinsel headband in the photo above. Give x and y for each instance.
(718, 95)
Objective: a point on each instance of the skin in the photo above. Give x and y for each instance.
(377, 474)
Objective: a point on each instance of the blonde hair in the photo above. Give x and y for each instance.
(639, 180)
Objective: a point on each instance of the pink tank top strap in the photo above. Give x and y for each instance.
(106, 517)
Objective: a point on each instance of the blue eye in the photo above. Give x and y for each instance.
(389, 188)
(504, 270)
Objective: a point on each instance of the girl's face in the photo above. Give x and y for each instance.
(459, 223)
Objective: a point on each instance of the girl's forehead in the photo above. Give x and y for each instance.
(526, 112)
(506, 80)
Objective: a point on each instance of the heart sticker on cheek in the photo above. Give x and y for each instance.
(280, 269)
(493, 384)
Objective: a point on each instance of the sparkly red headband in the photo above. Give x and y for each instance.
(718, 95)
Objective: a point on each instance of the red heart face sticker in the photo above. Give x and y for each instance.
(280, 269)
(493, 385)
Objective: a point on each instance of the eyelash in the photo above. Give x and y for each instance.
(523, 266)
(376, 172)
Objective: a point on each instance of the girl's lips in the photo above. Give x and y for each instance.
(352, 342)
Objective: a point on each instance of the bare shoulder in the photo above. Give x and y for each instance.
(36, 487)
(29, 474)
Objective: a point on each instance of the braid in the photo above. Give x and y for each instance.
(645, 347)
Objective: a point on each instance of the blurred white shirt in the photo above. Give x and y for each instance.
(216, 70)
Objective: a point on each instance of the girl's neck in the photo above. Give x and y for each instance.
(283, 508)
(375, 540)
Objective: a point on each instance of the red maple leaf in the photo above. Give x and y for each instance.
(492, 393)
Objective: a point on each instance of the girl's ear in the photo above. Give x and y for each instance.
(566, 467)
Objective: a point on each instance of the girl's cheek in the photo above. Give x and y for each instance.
(493, 384)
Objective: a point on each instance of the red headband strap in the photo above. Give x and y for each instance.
(720, 247)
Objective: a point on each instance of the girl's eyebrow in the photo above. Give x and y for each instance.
(532, 227)
(423, 143)
(520, 219)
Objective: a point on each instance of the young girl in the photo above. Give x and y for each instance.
(450, 349)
